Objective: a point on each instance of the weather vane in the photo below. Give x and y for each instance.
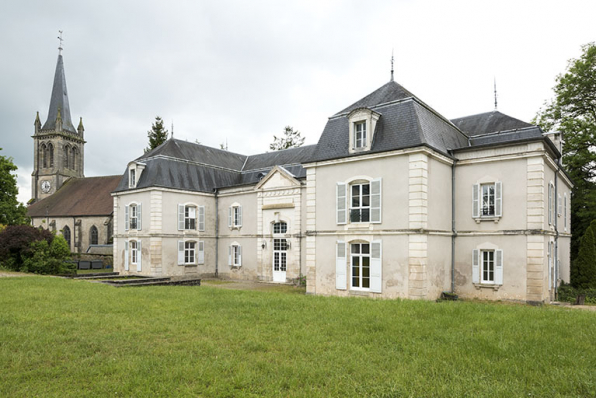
(60, 38)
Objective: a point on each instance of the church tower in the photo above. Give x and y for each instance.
(58, 145)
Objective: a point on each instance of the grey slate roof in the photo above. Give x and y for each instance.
(500, 137)
(488, 122)
(386, 93)
(59, 100)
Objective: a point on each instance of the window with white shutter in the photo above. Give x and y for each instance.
(340, 266)
(475, 266)
(139, 248)
(126, 222)
(201, 218)
(235, 216)
(126, 256)
(476, 200)
(180, 217)
(376, 267)
(201, 252)
(375, 201)
(139, 216)
(180, 252)
(341, 203)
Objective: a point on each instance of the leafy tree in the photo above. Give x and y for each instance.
(48, 258)
(573, 113)
(583, 268)
(157, 135)
(15, 244)
(11, 211)
(290, 139)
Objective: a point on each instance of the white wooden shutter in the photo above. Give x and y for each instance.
(550, 210)
(476, 200)
(565, 212)
(201, 251)
(475, 266)
(239, 216)
(126, 222)
(230, 255)
(340, 266)
(550, 267)
(139, 251)
(239, 248)
(499, 267)
(341, 203)
(375, 201)
(230, 216)
(201, 218)
(498, 199)
(126, 254)
(139, 216)
(181, 217)
(560, 205)
(376, 267)
(180, 252)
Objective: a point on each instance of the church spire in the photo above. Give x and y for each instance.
(59, 100)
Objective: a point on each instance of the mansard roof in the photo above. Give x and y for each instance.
(405, 122)
(488, 122)
(59, 101)
(77, 197)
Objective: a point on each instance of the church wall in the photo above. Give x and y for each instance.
(80, 228)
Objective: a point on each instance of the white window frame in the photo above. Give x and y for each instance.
(280, 254)
(190, 220)
(235, 255)
(478, 200)
(134, 252)
(132, 180)
(280, 224)
(133, 215)
(235, 216)
(360, 139)
(345, 197)
(360, 208)
(190, 252)
(487, 266)
(361, 255)
(480, 260)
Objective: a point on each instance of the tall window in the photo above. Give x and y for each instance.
(93, 235)
(235, 216)
(44, 155)
(190, 217)
(360, 257)
(73, 158)
(51, 154)
(359, 134)
(488, 266)
(132, 179)
(66, 235)
(236, 255)
(280, 248)
(134, 219)
(189, 252)
(488, 199)
(360, 203)
(66, 156)
(134, 253)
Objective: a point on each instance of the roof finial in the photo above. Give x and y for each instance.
(61, 40)
(495, 81)
(172, 128)
(391, 64)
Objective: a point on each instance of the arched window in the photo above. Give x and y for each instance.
(280, 228)
(51, 154)
(93, 236)
(44, 155)
(73, 158)
(66, 156)
(66, 235)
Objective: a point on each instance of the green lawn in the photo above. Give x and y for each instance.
(61, 337)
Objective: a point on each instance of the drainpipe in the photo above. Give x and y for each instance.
(556, 210)
(453, 231)
(216, 233)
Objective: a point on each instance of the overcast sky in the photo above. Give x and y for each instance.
(242, 70)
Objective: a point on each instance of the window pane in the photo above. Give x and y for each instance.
(365, 248)
(366, 189)
(355, 248)
(365, 215)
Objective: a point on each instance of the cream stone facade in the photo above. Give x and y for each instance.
(395, 201)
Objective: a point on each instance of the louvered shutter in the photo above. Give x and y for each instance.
(341, 203)
(230, 216)
(181, 217)
(550, 210)
(376, 267)
(550, 267)
(375, 201)
(139, 216)
(139, 252)
(476, 200)
(239, 248)
(498, 199)
(565, 212)
(126, 222)
(499, 267)
(239, 216)
(340, 266)
(201, 218)
(560, 205)
(230, 255)
(201, 252)
(475, 266)
(180, 252)
(126, 255)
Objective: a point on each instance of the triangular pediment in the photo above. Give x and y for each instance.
(278, 178)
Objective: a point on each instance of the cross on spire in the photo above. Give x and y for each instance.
(61, 40)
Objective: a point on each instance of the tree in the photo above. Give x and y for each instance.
(290, 139)
(15, 244)
(157, 135)
(573, 113)
(11, 211)
(583, 268)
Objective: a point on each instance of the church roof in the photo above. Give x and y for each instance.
(78, 197)
(59, 101)
(488, 122)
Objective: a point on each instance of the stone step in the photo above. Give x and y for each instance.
(98, 275)
(184, 282)
(140, 280)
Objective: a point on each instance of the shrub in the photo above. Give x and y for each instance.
(568, 293)
(47, 258)
(15, 244)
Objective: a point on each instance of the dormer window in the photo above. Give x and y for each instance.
(132, 178)
(360, 134)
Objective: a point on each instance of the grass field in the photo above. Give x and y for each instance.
(62, 337)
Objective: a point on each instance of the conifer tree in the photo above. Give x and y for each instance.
(290, 139)
(583, 269)
(157, 135)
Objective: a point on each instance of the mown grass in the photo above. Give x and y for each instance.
(73, 338)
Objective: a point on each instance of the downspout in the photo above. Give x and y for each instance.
(453, 231)
(216, 233)
(556, 210)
